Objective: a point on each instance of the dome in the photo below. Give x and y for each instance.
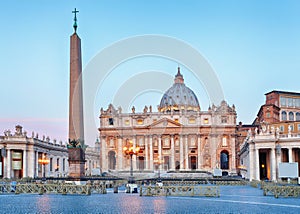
(179, 97)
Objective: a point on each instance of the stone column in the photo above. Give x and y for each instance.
(8, 163)
(31, 163)
(181, 152)
(104, 155)
(186, 153)
(146, 152)
(233, 156)
(172, 164)
(24, 163)
(159, 152)
(290, 155)
(134, 162)
(273, 164)
(278, 160)
(36, 164)
(251, 162)
(120, 153)
(257, 167)
(199, 151)
(151, 153)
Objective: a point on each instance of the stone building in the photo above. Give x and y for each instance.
(275, 138)
(20, 155)
(179, 136)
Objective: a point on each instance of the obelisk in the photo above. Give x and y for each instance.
(76, 130)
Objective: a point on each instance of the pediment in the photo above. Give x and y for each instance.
(165, 122)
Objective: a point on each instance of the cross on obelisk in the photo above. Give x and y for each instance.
(75, 19)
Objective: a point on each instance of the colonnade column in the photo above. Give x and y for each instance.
(146, 152)
(151, 153)
(198, 151)
(251, 162)
(8, 163)
(186, 152)
(273, 165)
(120, 153)
(290, 155)
(257, 167)
(181, 152)
(31, 163)
(172, 165)
(103, 154)
(36, 164)
(24, 163)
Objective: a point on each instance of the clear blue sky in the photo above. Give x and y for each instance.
(253, 46)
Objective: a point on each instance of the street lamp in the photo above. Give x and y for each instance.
(131, 150)
(158, 162)
(44, 161)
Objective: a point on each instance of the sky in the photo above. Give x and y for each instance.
(253, 47)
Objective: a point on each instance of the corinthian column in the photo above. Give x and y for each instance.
(181, 152)
(172, 165)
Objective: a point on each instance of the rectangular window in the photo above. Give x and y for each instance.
(205, 120)
(282, 128)
(140, 121)
(224, 142)
(111, 121)
(224, 119)
(297, 102)
(290, 102)
(282, 101)
(127, 122)
(192, 121)
(291, 127)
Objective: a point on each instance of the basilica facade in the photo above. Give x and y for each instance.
(177, 137)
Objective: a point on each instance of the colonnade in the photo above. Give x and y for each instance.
(29, 160)
(274, 157)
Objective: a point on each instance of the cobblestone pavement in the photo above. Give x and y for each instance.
(236, 199)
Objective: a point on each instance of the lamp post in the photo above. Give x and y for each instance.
(131, 150)
(159, 161)
(44, 161)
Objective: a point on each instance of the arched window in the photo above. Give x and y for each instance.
(297, 116)
(283, 115)
(224, 159)
(291, 116)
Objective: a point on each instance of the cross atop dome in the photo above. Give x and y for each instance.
(179, 77)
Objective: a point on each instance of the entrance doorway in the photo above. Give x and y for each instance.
(224, 160)
(263, 165)
(193, 162)
(141, 163)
